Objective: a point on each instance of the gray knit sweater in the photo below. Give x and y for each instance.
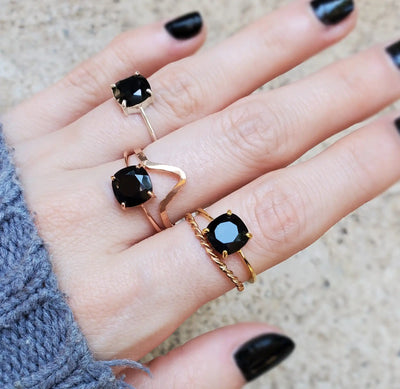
(41, 346)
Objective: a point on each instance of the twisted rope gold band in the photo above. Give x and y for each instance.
(199, 235)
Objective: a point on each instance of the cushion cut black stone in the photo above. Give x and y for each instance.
(227, 232)
(131, 186)
(133, 90)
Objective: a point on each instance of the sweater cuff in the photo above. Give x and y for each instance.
(41, 346)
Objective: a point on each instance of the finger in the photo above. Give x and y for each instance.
(285, 211)
(254, 136)
(192, 88)
(225, 358)
(146, 49)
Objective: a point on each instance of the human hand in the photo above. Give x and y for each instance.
(94, 144)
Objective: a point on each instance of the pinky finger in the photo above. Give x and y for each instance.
(226, 358)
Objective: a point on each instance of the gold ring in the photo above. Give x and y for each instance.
(133, 94)
(224, 235)
(209, 250)
(132, 186)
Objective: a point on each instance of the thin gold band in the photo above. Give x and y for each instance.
(148, 125)
(252, 273)
(170, 195)
(199, 235)
(146, 212)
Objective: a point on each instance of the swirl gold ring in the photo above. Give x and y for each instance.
(133, 94)
(224, 235)
(132, 186)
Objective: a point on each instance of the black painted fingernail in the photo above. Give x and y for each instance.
(397, 124)
(186, 26)
(332, 11)
(262, 353)
(394, 52)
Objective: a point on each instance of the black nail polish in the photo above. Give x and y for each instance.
(332, 12)
(394, 52)
(186, 26)
(397, 124)
(262, 353)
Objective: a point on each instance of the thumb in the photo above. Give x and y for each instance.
(225, 358)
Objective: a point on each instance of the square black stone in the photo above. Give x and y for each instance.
(227, 233)
(132, 186)
(134, 90)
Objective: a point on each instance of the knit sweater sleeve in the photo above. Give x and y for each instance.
(41, 346)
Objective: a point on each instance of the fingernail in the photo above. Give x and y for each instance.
(394, 52)
(262, 353)
(332, 12)
(186, 26)
(397, 124)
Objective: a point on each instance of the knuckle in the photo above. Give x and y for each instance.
(353, 85)
(254, 131)
(90, 75)
(350, 82)
(278, 214)
(361, 171)
(179, 93)
(85, 78)
(121, 50)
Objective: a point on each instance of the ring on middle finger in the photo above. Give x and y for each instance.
(132, 186)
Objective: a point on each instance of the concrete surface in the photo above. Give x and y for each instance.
(339, 299)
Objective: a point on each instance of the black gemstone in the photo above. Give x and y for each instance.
(133, 90)
(227, 233)
(132, 185)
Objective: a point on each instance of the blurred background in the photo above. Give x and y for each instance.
(339, 299)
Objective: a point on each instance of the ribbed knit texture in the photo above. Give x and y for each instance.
(41, 346)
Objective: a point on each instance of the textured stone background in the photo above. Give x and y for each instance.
(339, 299)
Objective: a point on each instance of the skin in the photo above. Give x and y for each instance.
(108, 261)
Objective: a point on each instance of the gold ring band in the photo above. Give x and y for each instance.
(252, 273)
(214, 257)
(132, 186)
(173, 192)
(148, 125)
(218, 250)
